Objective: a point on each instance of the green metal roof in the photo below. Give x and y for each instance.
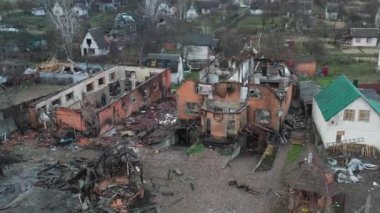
(338, 95)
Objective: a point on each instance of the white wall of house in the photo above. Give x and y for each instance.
(93, 49)
(364, 42)
(79, 11)
(57, 10)
(178, 77)
(197, 52)
(38, 12)
(79, 89)
(352, 129)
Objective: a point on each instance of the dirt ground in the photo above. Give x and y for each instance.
(211, 190)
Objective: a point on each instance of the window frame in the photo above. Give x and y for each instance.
(347, 112)
(366, 117)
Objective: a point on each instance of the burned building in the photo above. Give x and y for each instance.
(96, 104)
(226, 107)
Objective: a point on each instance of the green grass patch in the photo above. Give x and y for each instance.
(294, 152)
(195, 148)
(193, 75)
(103, 20)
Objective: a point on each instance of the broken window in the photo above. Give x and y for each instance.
(91, 51)
(56, 102)
(262, 116)
(231, 127)
(364, 115)
(349, 115)
(69, 96)
(112, 76)
(88, 42)
(90, 87)
(192, 109)
(254, 93)
(133, 99)
(155, 86)
(146, 93)
(101, 81)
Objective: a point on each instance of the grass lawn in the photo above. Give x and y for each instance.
(340, 63)
(29, 22)
(362, 71)
(294, 152)
(193, 75)
(103, 20)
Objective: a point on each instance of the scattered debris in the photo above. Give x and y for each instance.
(243, 186)
(113, 180)
(350, 172)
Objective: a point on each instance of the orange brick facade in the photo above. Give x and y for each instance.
(103, 119)
(219, 125)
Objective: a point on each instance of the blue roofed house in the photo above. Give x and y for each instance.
(165, 60)
(343, 113)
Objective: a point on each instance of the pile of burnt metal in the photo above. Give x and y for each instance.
(110, 183)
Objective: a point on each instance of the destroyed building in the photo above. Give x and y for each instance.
(311, 186)
(226, 107)
(96, 104)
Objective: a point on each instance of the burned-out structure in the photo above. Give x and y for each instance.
(312, 187)
(96, 104)
(255, 96)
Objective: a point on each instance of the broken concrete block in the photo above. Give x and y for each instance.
(178, 171)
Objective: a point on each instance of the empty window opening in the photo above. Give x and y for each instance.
(254, 93)
(231, 127)
(69, 96)
(155, 86)
(146, 93)
(90, 87)
(101, 81)
(56, 102)
(88, 42)
(262, 116)
(112, 76)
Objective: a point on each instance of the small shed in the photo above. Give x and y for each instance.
(312, 187)
(305, 65)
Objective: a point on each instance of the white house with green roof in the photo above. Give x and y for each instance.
(342, 113)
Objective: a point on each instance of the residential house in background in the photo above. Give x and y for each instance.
(206, 6)
(191, 14)
(305, 66)
(198, 50)
(38, 11)
(80, 10)
(109, 5)
(94, 43)
(57, 10)
(123, 28)
(342, 113)
(332, 10)
(165, 60)
(362, 37)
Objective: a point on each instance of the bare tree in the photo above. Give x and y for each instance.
(182, 6)
(65, 22)
(149, 8)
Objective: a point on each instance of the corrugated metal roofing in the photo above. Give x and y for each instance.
(338, 95)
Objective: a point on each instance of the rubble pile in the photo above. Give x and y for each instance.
(350, 172)
(151, 125)
(294, 120)
(113, 181)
